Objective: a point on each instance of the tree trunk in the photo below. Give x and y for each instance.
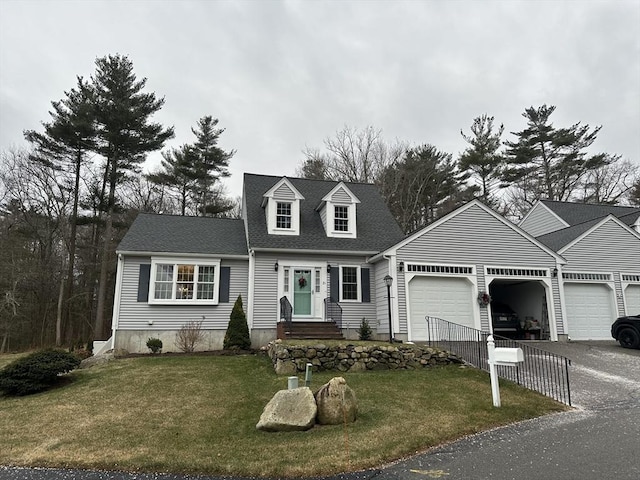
(59, 313)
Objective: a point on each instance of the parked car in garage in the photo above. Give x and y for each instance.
(505, 321)
(626, 330)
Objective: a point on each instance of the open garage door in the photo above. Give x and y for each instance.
(590, 311)
(449, 298)
(632, 299)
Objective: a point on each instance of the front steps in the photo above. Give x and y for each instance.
(310, 330)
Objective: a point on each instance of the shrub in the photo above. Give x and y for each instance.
(155, 345)
(189, 336)
(364, 331)
(37, 371)
(237, 335)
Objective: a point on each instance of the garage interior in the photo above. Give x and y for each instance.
(519, 309)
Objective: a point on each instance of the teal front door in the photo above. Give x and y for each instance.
(302, 292)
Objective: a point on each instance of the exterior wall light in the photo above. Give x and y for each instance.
(275, 267)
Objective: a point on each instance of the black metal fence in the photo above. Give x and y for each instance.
(542, 371)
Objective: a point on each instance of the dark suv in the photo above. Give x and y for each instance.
(626, 330)
(505, 320)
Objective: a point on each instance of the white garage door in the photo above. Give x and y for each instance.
(443, 297)
(590, 311)
(632, 299)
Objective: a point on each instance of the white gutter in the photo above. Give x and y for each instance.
(115, 316)
(319, 252)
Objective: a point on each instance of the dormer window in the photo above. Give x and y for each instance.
(281, 205)
(338, 212)
(341, 218)
(283, 215)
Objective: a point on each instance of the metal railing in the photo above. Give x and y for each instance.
(286, 312)
(333, 311)
(542, 371)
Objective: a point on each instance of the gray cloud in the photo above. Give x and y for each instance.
(284, 75)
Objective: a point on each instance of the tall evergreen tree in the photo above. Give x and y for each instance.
(481, 160)
(212, 163)
(178, 174)
(125, 135)
(67, 139)
(549, 162)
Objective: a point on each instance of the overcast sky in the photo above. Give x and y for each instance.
(284, 75)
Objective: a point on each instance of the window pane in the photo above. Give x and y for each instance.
(185, 273)
(283, 215)
(164, 273)
(206, 273)
(205, 291)
(341, 219)
(184, 291)
(286, 280)
(349, 283)
(162, 291)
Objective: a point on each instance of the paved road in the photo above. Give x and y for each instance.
(599, 440)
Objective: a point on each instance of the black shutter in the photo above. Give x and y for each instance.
(366, 286)
(225, 279)
(334, 284)
(143, 282)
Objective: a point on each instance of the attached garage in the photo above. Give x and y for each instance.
(590, 310)
(449, 298)
(632, 299)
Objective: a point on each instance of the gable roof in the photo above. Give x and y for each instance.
(535, 242)
(377, 229)
(575, 213)
(560, 240)
(152, 233)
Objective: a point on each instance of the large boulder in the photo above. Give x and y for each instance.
(289, 410)
(336, 403)
(97, 360)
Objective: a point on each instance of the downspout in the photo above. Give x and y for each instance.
(250, 287)
(115, 318)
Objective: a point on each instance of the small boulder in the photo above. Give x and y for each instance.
(96, 360)
(289, 410)
(336, 403)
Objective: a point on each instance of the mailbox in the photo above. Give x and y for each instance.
(507, 356)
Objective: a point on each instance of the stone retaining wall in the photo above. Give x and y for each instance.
(289, 359)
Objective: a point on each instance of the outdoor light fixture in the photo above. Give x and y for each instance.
(555, 272)
(388, 281)
(328, 268)
(275, 267)
(401, 267)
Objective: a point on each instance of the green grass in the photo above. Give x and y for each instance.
(197, 414)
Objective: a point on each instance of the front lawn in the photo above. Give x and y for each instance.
(197, 414)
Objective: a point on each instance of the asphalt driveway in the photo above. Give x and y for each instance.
(598, 440)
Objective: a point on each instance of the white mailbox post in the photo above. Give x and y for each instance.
(500, 356)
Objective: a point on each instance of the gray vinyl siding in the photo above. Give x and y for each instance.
(284, 193)
(608, 248)
(134, 315)
(340, 196)
(402, 303)
(541, 221)
(482, 287)
(471, 236)
(382, 309)
(265, 309)
(323, 216)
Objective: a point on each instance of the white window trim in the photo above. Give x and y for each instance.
(155, 261)
(358, 283)
(272, 215)
(351, 220)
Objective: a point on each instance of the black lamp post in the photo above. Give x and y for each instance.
(388, 280)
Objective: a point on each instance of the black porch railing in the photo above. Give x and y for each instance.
(542, 371)
(286, 312)
(333, 311)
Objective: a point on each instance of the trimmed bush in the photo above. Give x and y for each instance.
(237, 336)
(155, 345)
(37, 371)
(364, 331)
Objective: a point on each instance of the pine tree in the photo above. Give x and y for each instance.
(237, 335)
(125, 136)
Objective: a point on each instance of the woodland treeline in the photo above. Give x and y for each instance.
(67, 199)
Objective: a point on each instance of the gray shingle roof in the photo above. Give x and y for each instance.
(574, 213)
(376, 227)
(558, 239)
(176, 234)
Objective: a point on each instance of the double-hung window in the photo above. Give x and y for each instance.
(184, 281)
(283, 215)
(349, 284)
(341, 218)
